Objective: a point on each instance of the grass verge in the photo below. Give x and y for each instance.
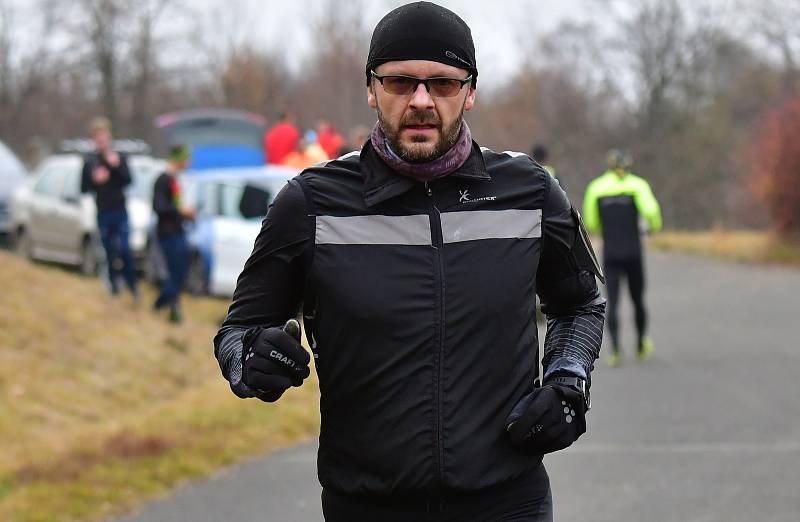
(104, 405)
(738, 245)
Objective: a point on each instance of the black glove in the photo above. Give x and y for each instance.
(273, 360)
(548, 419)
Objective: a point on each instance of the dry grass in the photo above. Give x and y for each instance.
(103, 405)
(739, 245)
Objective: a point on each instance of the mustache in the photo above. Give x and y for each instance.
(426, 117)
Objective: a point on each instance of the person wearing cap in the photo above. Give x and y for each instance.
(172, 214)
(621, 206)
(105, 173)
(540, 154)
(416, 263)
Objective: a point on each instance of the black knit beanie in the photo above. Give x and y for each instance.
(422, 31)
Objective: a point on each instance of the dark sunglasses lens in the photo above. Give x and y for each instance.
(439, 87)
(444, 87)
(399, 84)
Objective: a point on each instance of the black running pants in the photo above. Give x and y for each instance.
(631, 269)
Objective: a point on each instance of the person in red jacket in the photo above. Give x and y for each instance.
(281, 139)
(329, 139)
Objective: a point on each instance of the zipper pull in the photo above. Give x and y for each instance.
(430, 191)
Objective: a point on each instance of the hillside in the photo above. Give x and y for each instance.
(103, 404)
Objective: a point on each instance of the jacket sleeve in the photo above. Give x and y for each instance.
(648, 207)
(568, 290)
(270, 288)
(591, 210)
(163, 204)
(87, 184)
(124, 171)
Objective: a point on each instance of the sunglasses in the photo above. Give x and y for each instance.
(440, 87)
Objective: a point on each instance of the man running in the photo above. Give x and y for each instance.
(615, 204)
(416, 263)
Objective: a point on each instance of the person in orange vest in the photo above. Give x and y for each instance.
(307, 154)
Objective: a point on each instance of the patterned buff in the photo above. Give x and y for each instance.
(438, 168)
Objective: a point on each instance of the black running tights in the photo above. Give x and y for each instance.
(633, 271)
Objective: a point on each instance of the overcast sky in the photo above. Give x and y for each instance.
(283, 26)
(496, 25)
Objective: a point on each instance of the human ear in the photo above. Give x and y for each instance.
(469, 103)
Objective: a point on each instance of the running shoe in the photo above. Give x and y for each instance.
(646, 348)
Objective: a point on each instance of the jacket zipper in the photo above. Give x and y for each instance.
(438, 241)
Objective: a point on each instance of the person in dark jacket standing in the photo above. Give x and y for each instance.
(169, 230)
(416, 263)
(106, 174)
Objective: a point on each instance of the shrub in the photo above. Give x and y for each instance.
(775, 166)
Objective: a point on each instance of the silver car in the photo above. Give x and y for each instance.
(12, 173)
(52, 220)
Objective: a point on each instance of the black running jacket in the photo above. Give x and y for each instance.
(419, 301)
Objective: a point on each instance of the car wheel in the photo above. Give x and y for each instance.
(88, 265)
(23, 246)
(197, 276)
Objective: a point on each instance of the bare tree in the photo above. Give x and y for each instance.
(6, 78)
(105, 24)
(255, 80)
(147, 14)
(334, 83)
(776, 22)
(655, 40)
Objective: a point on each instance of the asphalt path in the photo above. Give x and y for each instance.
(706, 430)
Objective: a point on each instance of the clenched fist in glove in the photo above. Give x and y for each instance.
(548, 419)
(273, 360)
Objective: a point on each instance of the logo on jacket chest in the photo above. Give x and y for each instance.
(465, 197)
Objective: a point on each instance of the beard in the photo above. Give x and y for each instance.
(421, 150)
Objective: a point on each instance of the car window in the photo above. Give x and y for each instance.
(71, 187)
(242, 200)
(50, 182)
(228, 197)
(254, 202)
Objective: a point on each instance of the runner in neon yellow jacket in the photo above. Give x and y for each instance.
(616, 204)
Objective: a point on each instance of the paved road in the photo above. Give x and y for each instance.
(708, 430)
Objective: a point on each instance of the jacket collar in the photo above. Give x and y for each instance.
(382, 183)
